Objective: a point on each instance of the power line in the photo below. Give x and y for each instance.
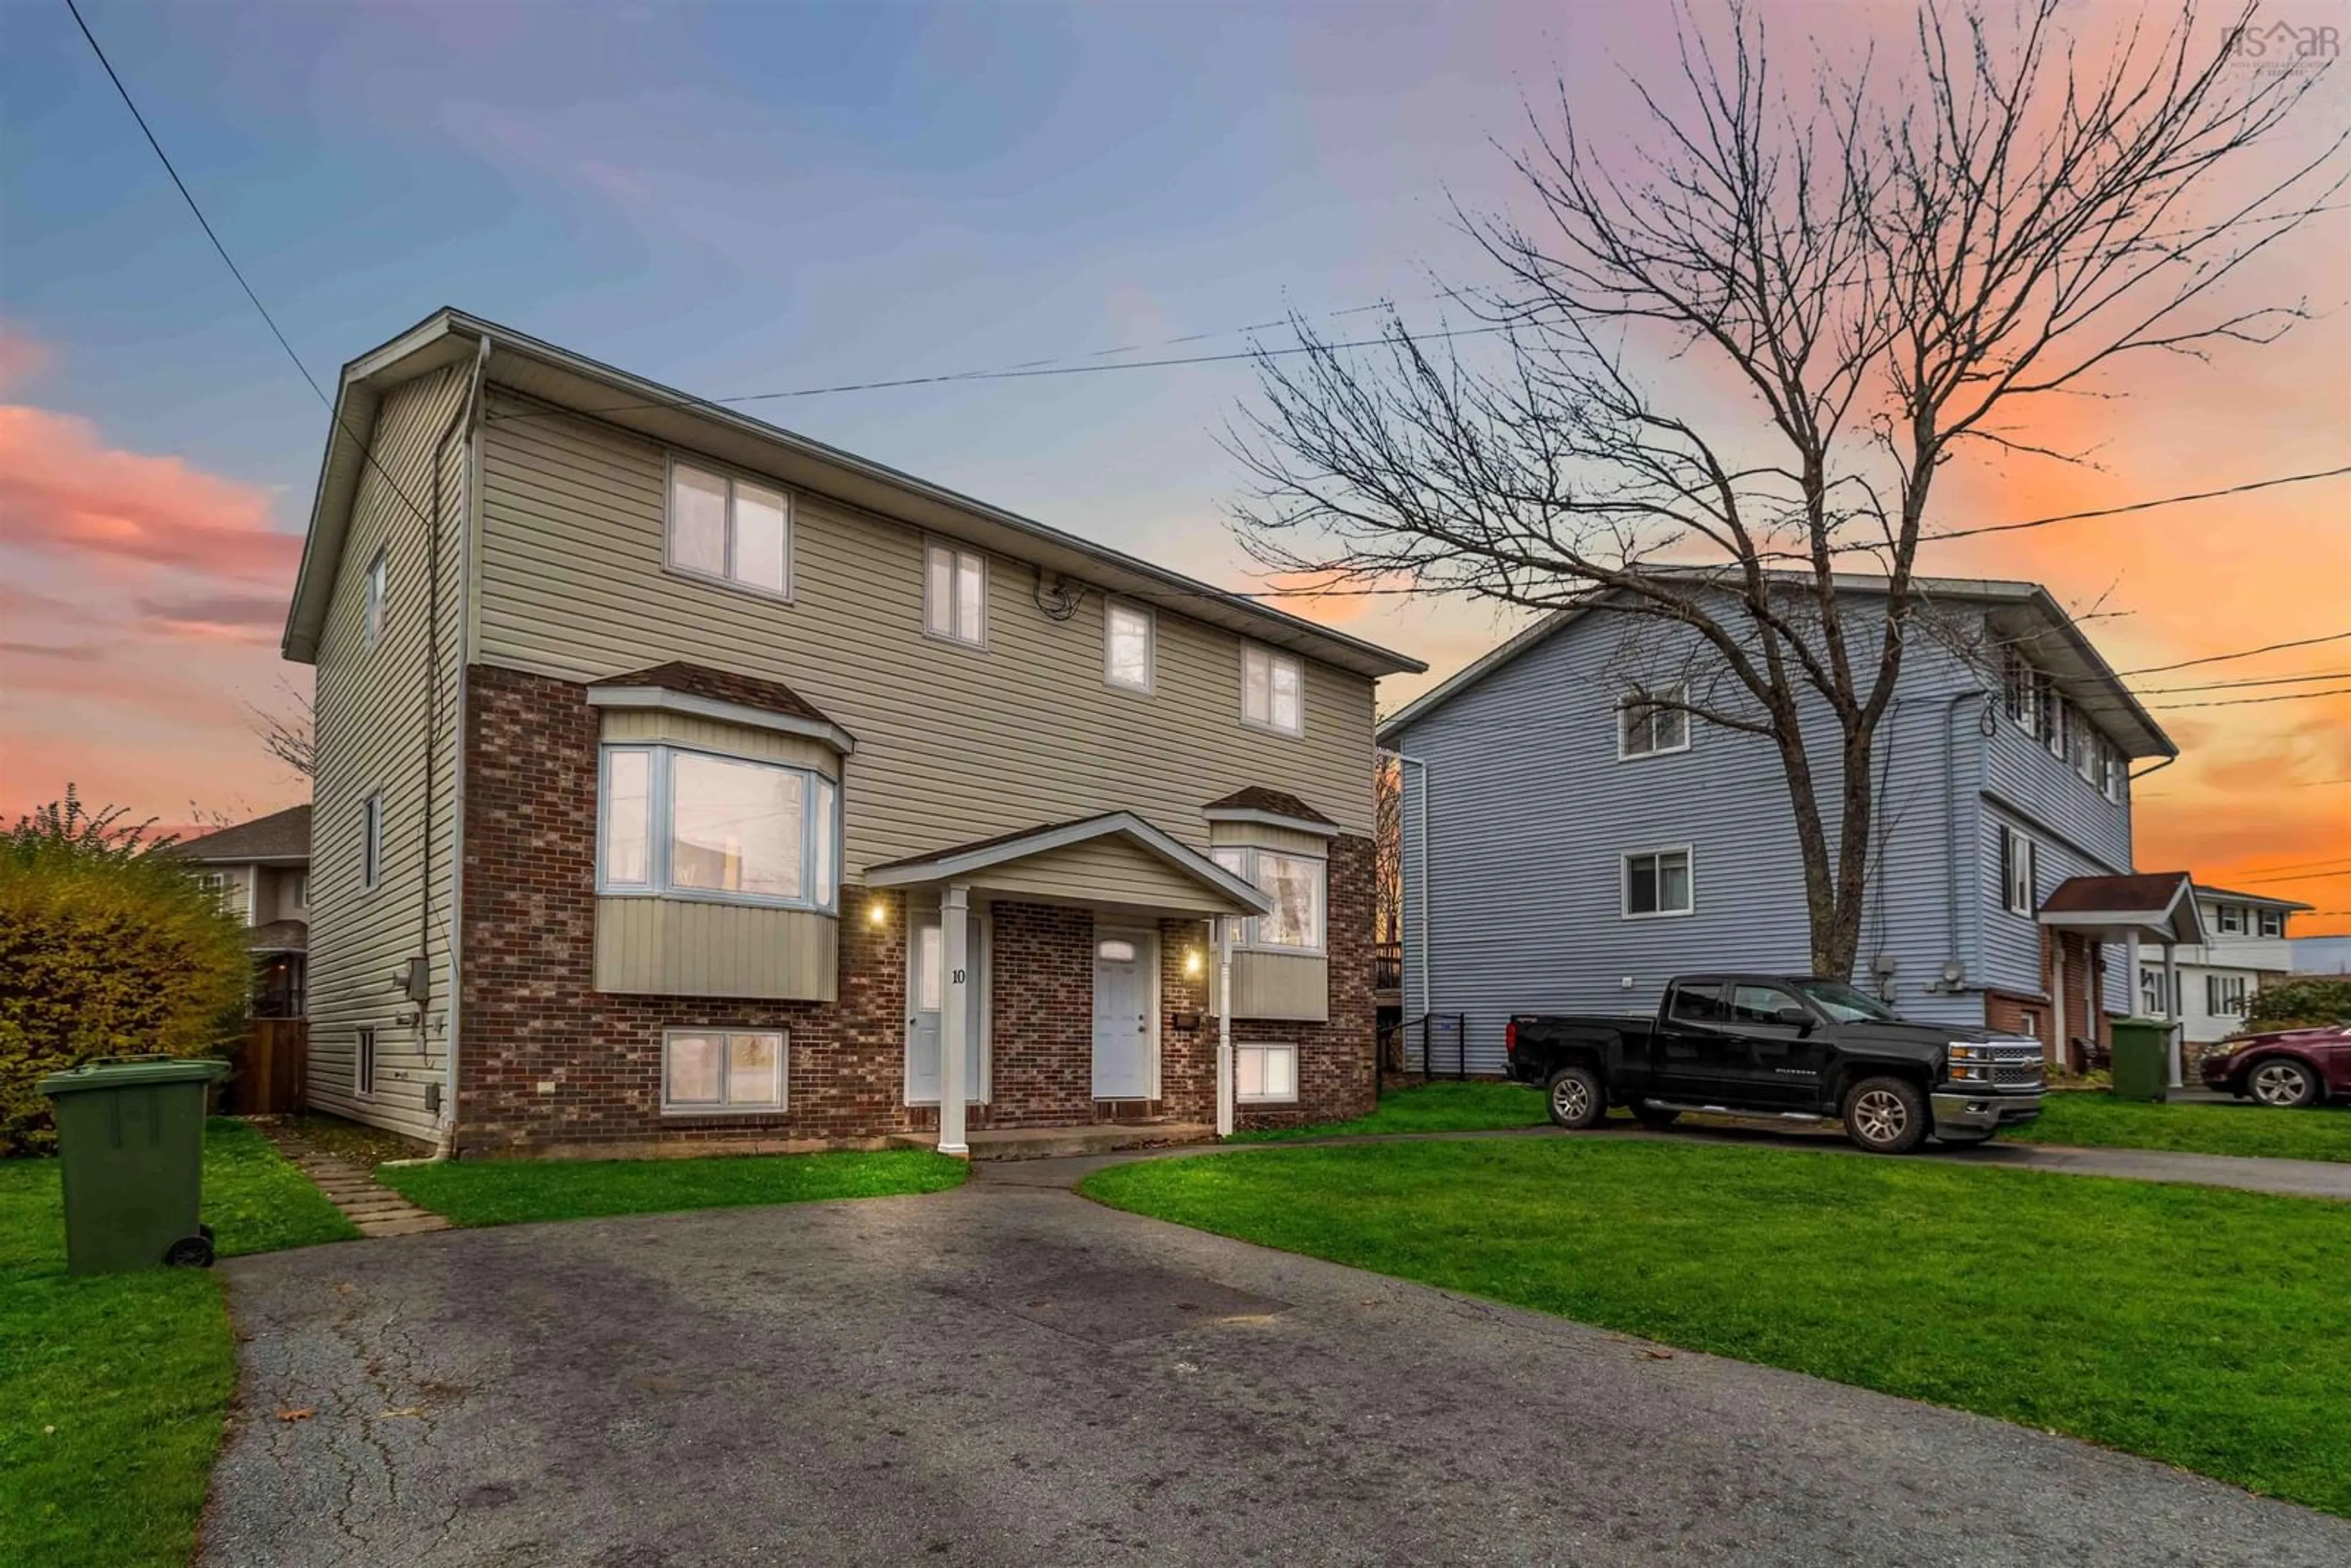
(2233, 685)
(2309, 876)
(2246, 653)
(2247, 702)
(2132, 507)
(228, 261)
(2272, 871)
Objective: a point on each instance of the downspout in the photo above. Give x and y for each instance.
(1948, 981)
(1421, 836)
(462, 419)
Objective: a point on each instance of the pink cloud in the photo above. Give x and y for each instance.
(22, 355)
(62, 490)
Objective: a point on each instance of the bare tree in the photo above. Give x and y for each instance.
(288, 734)
(1885, 268)
(1387, 849)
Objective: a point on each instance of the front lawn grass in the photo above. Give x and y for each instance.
(112, 1389)
(2097, 1120)
(512, 1192)
(2200, 1327)
(1438, 1107)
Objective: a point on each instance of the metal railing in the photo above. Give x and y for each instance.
(1387, 966)
(1429, 1045)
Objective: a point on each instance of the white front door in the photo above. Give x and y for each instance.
(1126, 976)
(926, 989)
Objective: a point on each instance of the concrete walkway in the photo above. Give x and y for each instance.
(366, 1202)
(1000, 1376)
(2289, 1179)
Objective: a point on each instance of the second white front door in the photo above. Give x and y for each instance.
(1126, 971)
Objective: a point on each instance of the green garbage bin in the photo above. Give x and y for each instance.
(131, 1131)
(2142, 1058)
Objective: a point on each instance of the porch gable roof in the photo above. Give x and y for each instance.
(2157, 904)
(967, 860)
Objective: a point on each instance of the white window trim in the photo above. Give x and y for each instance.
(734, 476)
(2022, 850)
(959, 552)
(657, 845)
(1289, 1099)
(1267, 725)
(2222, 913)
(1111, 608)
(1247, 940)
(371, 840)
(364, 1061)
(782, 1102)
(1677, 693)
(2272, 918)
(1625, 882)
(375, 609)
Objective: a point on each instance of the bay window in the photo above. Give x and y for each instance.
(695, 824)
(1297, 884)
(730, 529)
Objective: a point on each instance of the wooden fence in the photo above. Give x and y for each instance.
(268, 1079)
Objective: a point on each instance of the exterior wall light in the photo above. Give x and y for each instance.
(876, 911)
(1191, 962)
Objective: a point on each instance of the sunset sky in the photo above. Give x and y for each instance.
(738, 199)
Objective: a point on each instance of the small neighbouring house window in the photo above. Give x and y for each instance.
(1263, 1073)
(955, 594)
(2224, 995)
(372, 630)
(693, 824)
(2272, 923)
(1297, 884)
(2154, 995)
(706, 1071)
(2232, 919)
(1649, 724)
(1657, 881)
(302, 891)
(2020, 872)
(1273, 690)
(730, 529)
(363, 1063)
(1128, 632)
(371, 840)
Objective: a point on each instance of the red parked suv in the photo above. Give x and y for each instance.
(2290, 1067)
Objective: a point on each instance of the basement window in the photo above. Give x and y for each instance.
(713, 1071)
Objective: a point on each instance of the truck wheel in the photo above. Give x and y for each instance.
(1884, 1116)
(1577, 1101)
(1657, 1118)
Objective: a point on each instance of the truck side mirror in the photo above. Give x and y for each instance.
(1796, 1019)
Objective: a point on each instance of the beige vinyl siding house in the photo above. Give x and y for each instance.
(808, 670)
(371, 716)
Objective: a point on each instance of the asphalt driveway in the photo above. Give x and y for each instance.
(1009, 1374)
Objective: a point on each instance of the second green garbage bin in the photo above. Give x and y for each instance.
(130, 1134)
(2142, 1058)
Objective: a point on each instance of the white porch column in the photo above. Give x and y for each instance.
(2172, 1010)
(955, 1018)
(1225, 1028)
(2130, 959)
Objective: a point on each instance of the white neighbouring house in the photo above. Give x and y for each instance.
(2248, 948)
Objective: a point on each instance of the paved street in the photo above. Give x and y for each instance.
(1010, 1375)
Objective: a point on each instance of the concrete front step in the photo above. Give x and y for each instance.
(1061, 1143)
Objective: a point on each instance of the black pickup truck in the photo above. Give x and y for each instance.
(1786, 1046)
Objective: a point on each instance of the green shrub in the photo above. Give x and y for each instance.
(2300, 1001)
(107, 948)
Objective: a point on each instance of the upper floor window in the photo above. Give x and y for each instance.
(2020, 872)
(1273, 690)
(302, 891)
(372, 630)
(694, 824)
(955, 594)
(2230, 918)
(1297, 884)
(371, 840)
(1128, 633)
(1650, 723)
(730, 529)
(2272, 923)
(1658, 882)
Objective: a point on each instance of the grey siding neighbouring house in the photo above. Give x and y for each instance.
(1515, 778)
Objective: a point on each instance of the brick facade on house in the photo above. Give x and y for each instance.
(547, 1063)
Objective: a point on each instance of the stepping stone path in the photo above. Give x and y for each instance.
(366, 1202)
